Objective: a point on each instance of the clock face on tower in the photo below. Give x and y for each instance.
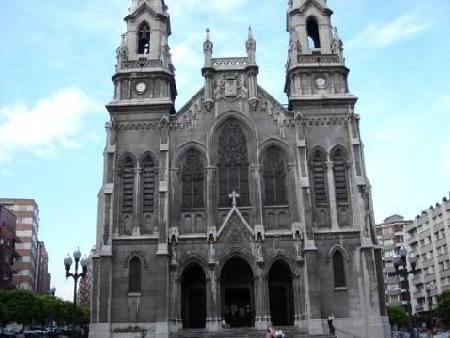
(321, 83)
(141, 87)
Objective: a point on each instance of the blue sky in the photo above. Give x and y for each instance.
(58, 58)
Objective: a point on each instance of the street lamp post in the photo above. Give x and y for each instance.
(68, 263)
(52, 313)
(429, 288)
(401, 269)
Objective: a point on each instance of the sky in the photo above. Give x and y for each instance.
(57, 59)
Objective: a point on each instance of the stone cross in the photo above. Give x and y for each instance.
(234, 195)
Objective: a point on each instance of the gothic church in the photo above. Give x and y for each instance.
(235, 211)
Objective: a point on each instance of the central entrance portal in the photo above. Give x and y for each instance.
(237, 293)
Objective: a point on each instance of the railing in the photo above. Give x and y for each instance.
(142, 64)
(231, 62)
(318, 58)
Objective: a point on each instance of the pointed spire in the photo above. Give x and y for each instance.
(250, 34)
(208, 49)
(251, 47)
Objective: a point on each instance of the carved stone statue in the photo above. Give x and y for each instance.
(173, 251)
(211, 250)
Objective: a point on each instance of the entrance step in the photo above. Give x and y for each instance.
(290, 332)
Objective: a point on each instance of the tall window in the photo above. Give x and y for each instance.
(192, 177)
(233, 164)
(340, 176)
(274, 175)
(319, 178)
(144, 38)
(312, 29)
(339, 270)
(148, 183)
(128, 177)
(135, 275)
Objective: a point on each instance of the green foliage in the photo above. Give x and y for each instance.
(443, 309)
(26, 307)
(397, 316)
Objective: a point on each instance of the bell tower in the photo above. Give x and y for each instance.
(316, 68)
(145, 75)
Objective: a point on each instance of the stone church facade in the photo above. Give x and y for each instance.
(235, 210)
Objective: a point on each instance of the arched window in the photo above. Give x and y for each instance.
(128, 177)
(312, 30)
(144, 38)
(274, 175)
(339, 269)
(233, 164)
(135, 275)
(192, 177)
(148, 183)
(319, 178)
(340, 176)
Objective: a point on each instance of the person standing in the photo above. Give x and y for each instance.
(331, 325)
(269, 332)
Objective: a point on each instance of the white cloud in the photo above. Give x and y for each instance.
(381, 35)
(185, 56)
(51, 123)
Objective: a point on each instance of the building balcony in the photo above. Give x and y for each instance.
(395, 292)
(445, 273)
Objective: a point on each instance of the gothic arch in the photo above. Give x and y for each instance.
(233, 152)
(237, 252)
(313, 32)
(139, 255)
(279, 255)
(247, 126)
(280, 144)
(135, 275)
(143, 38)
(179, 153)
(151, 154)
(314, 150)
(274, 176)
(340, 147)
(194, 258)
(125, 154)
(338, 247)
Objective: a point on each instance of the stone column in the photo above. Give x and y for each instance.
(332, 196)
(262, 319)
(257, 194)
(212, 317)
(137, 212)
(211, 198)
(175, 300)
(299, 300)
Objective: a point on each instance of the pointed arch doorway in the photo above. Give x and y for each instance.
(193, 297)
(281, 294)
(237, 293)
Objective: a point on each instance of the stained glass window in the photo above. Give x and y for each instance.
(233, 164)
(274, 175)
(193, 176)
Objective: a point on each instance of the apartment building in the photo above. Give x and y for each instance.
(27, 227)
(390, 236)
(42, 280)
(428, 237)
(8, 253)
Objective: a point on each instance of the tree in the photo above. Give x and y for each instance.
(443, 308)
(397, 316)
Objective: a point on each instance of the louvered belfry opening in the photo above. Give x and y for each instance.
(274, 175)
(128, 177)
(340, 176)
(192, 177)
(319, 179)
(233, 164)
(148, 183)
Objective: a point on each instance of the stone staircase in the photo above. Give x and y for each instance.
(290, 332)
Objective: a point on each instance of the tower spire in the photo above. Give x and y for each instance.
(208, 49)
(251, 47)
(315, 54)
